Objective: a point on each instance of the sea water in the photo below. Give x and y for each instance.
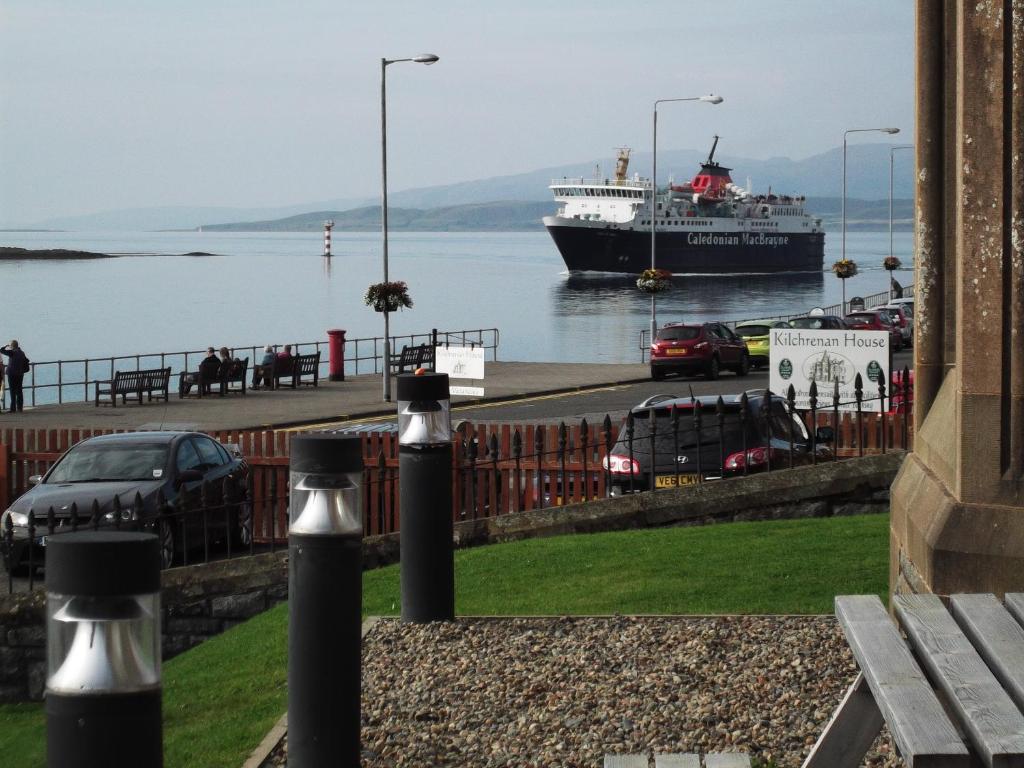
(274, 288)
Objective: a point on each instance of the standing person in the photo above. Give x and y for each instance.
(1, 385)
(16, 370)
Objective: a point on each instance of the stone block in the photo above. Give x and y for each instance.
(948, 545)
(194, 626)
(277, 593)
(198, 608)
(11, 694)
(239, 606)
(27, 636)
(174, 644)
(11, 661)
(36, 680)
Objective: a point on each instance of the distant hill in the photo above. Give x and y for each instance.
(513, 216)
(476, 217)
(816, 176)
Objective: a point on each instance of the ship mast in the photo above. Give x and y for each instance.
(622, 164)
(711, 155)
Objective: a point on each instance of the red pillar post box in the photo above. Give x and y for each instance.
(336, 349)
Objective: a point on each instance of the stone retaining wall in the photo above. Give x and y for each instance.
(201, 601)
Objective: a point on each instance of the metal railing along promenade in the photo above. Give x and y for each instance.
(70, 381)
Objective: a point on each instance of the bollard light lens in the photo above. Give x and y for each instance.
(329, 505)
(424, 422)
(107, 644)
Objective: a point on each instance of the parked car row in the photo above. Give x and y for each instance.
(710, 348)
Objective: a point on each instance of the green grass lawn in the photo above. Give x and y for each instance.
(223, 696)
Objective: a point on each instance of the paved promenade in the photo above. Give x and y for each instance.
(357, 397)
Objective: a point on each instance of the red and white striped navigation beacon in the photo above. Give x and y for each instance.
(328, 225)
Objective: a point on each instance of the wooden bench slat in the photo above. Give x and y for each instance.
(677, 760)
(915, 717)
(726, 760)
(625, 761)
(1015, 605)
(996, 636)
(994, 725)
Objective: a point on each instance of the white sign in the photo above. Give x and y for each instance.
(798, 356)
(477, 391)
(461, 363)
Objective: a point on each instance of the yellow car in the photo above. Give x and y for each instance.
(755, 334)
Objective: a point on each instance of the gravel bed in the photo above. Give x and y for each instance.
(565, 691)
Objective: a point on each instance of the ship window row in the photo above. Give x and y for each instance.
(764, 224)
(631, 194)
(687, 222)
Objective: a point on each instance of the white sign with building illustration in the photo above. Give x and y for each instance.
(461, 363)
(799, 356)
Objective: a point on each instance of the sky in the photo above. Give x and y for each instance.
(110, 104)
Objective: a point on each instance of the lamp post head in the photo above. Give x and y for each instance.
(425, 58)
(712, 99)
(889, 130)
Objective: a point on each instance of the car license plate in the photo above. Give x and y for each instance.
(672, 481)
(676, 351)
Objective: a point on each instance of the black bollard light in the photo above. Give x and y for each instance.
(325, 583)
(425, 497)
(103, 687)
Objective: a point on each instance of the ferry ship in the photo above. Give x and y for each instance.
(708, 225)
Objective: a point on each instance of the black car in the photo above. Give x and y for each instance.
(746, 442)
(116, 471)
(819, 322)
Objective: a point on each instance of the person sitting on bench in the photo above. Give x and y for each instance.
(208, 370)
(263, 371)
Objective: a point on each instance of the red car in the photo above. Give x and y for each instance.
(706, 349)
(876, 320)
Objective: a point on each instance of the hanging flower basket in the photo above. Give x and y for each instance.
(844, 268)
(891, 263)
(654, 280)
(388, 297)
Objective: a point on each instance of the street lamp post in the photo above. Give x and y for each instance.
(710, 99)
(845, 134)
(892, 151)
(423, 58)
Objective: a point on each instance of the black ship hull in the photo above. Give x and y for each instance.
(607, 249)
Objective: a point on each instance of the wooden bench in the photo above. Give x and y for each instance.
(134, 384)
(679, 760)
(203, 384)
(411, 358)
(236, 375)
(974, 656)
(292, 370)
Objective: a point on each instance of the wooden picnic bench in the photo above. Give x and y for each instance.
(292, 371)
(134, 384)
(952, 693)
(411, 358)
(679, 760)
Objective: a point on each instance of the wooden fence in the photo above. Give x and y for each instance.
(493, 473)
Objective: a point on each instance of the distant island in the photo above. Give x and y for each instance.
(10, 253)
(502, 216)
(525, 216)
